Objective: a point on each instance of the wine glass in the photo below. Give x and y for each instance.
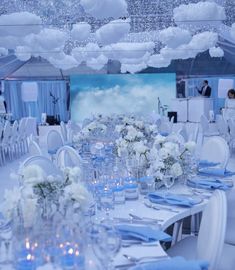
(106, 244)
(168, 181)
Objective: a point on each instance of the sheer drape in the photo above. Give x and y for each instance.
(44, 104)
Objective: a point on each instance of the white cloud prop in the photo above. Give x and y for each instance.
(101, 9)
(97, 63)
(199, 43)
(63, 61)
(199, 15)
(23, 53)
(133, 68)
(86, 53)
(48, 39)
(216, 52)
(20, 24)
(128, 50)
(158, 61)
(137, 99)
(113, 31)
(174, 36)
(80, 31)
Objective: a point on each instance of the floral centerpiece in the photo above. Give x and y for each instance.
(169, 157)
(41, 196)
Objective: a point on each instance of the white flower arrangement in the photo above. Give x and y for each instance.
(37, 188)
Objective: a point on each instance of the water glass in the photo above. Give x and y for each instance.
(5, 241)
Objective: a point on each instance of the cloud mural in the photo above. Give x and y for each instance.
(108, 94)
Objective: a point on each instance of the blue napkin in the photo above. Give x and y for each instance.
(176, 263)
(164, 134)
(143, 233)
(209, 184)
(215, 172)
(206, 163)
(172, 199)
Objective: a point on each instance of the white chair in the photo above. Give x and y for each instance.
(193, 134)
(22, 138)
(183, 133)
(63, 131)
(34, 149)
(206, 132)
(209, 243)
(67, 156)
(46, 164)
(215, 149)
(54, 142)
(5, 144)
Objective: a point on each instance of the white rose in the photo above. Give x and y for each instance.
(176, 170)
(159, 139)
(190, 146)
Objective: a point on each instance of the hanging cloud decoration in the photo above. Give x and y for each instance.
(47, 39)
(63, 61)
(216, 52)
(133, 68)
(102, 9)
(127, 50)
(23, 53)
(113, 31)
(97, 63)
(80, 31)
(174, 36)
(158, 61)
(20, 24)
(86, 53)
(199, 15)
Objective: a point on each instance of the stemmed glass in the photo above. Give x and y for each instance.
(106, 244)
(168, 181)
(5, 240)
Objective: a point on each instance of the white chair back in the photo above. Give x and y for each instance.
(183, 133)
(22, 127)
(46, 164)
(34, 149)
(63, 131)
(54, 141)
(230, 235)
(215, 149)
(6, 133)
(14, 131)
(67, 156)
(222, 126)
(212, 230)
(204, 124)
(193, 135)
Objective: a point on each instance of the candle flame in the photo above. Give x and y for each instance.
(77, 253)
(70, 251)
(29, 257)
(27, 245)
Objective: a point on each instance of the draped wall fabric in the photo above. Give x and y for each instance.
(44, 104)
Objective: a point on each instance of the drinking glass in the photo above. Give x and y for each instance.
(5, 241)
(168, 181)
(106, 244)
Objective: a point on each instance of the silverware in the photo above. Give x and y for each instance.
(138, 259)
(135, 221)
(149, 205)
(144, 218)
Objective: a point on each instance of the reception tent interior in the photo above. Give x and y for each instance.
(117, 134)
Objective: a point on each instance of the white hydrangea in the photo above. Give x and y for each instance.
(77, 192)
(140, 148)
(159, 139)
(173, 148)
(32, 174)
(164, 153)
(133, 134)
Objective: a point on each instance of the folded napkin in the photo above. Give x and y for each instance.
(215, 172)
(209, 184)
(176, 263)
(142, 233)
(206, 163)
(164, 133)
(173, 199)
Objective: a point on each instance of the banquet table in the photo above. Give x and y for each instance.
(168, 218)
